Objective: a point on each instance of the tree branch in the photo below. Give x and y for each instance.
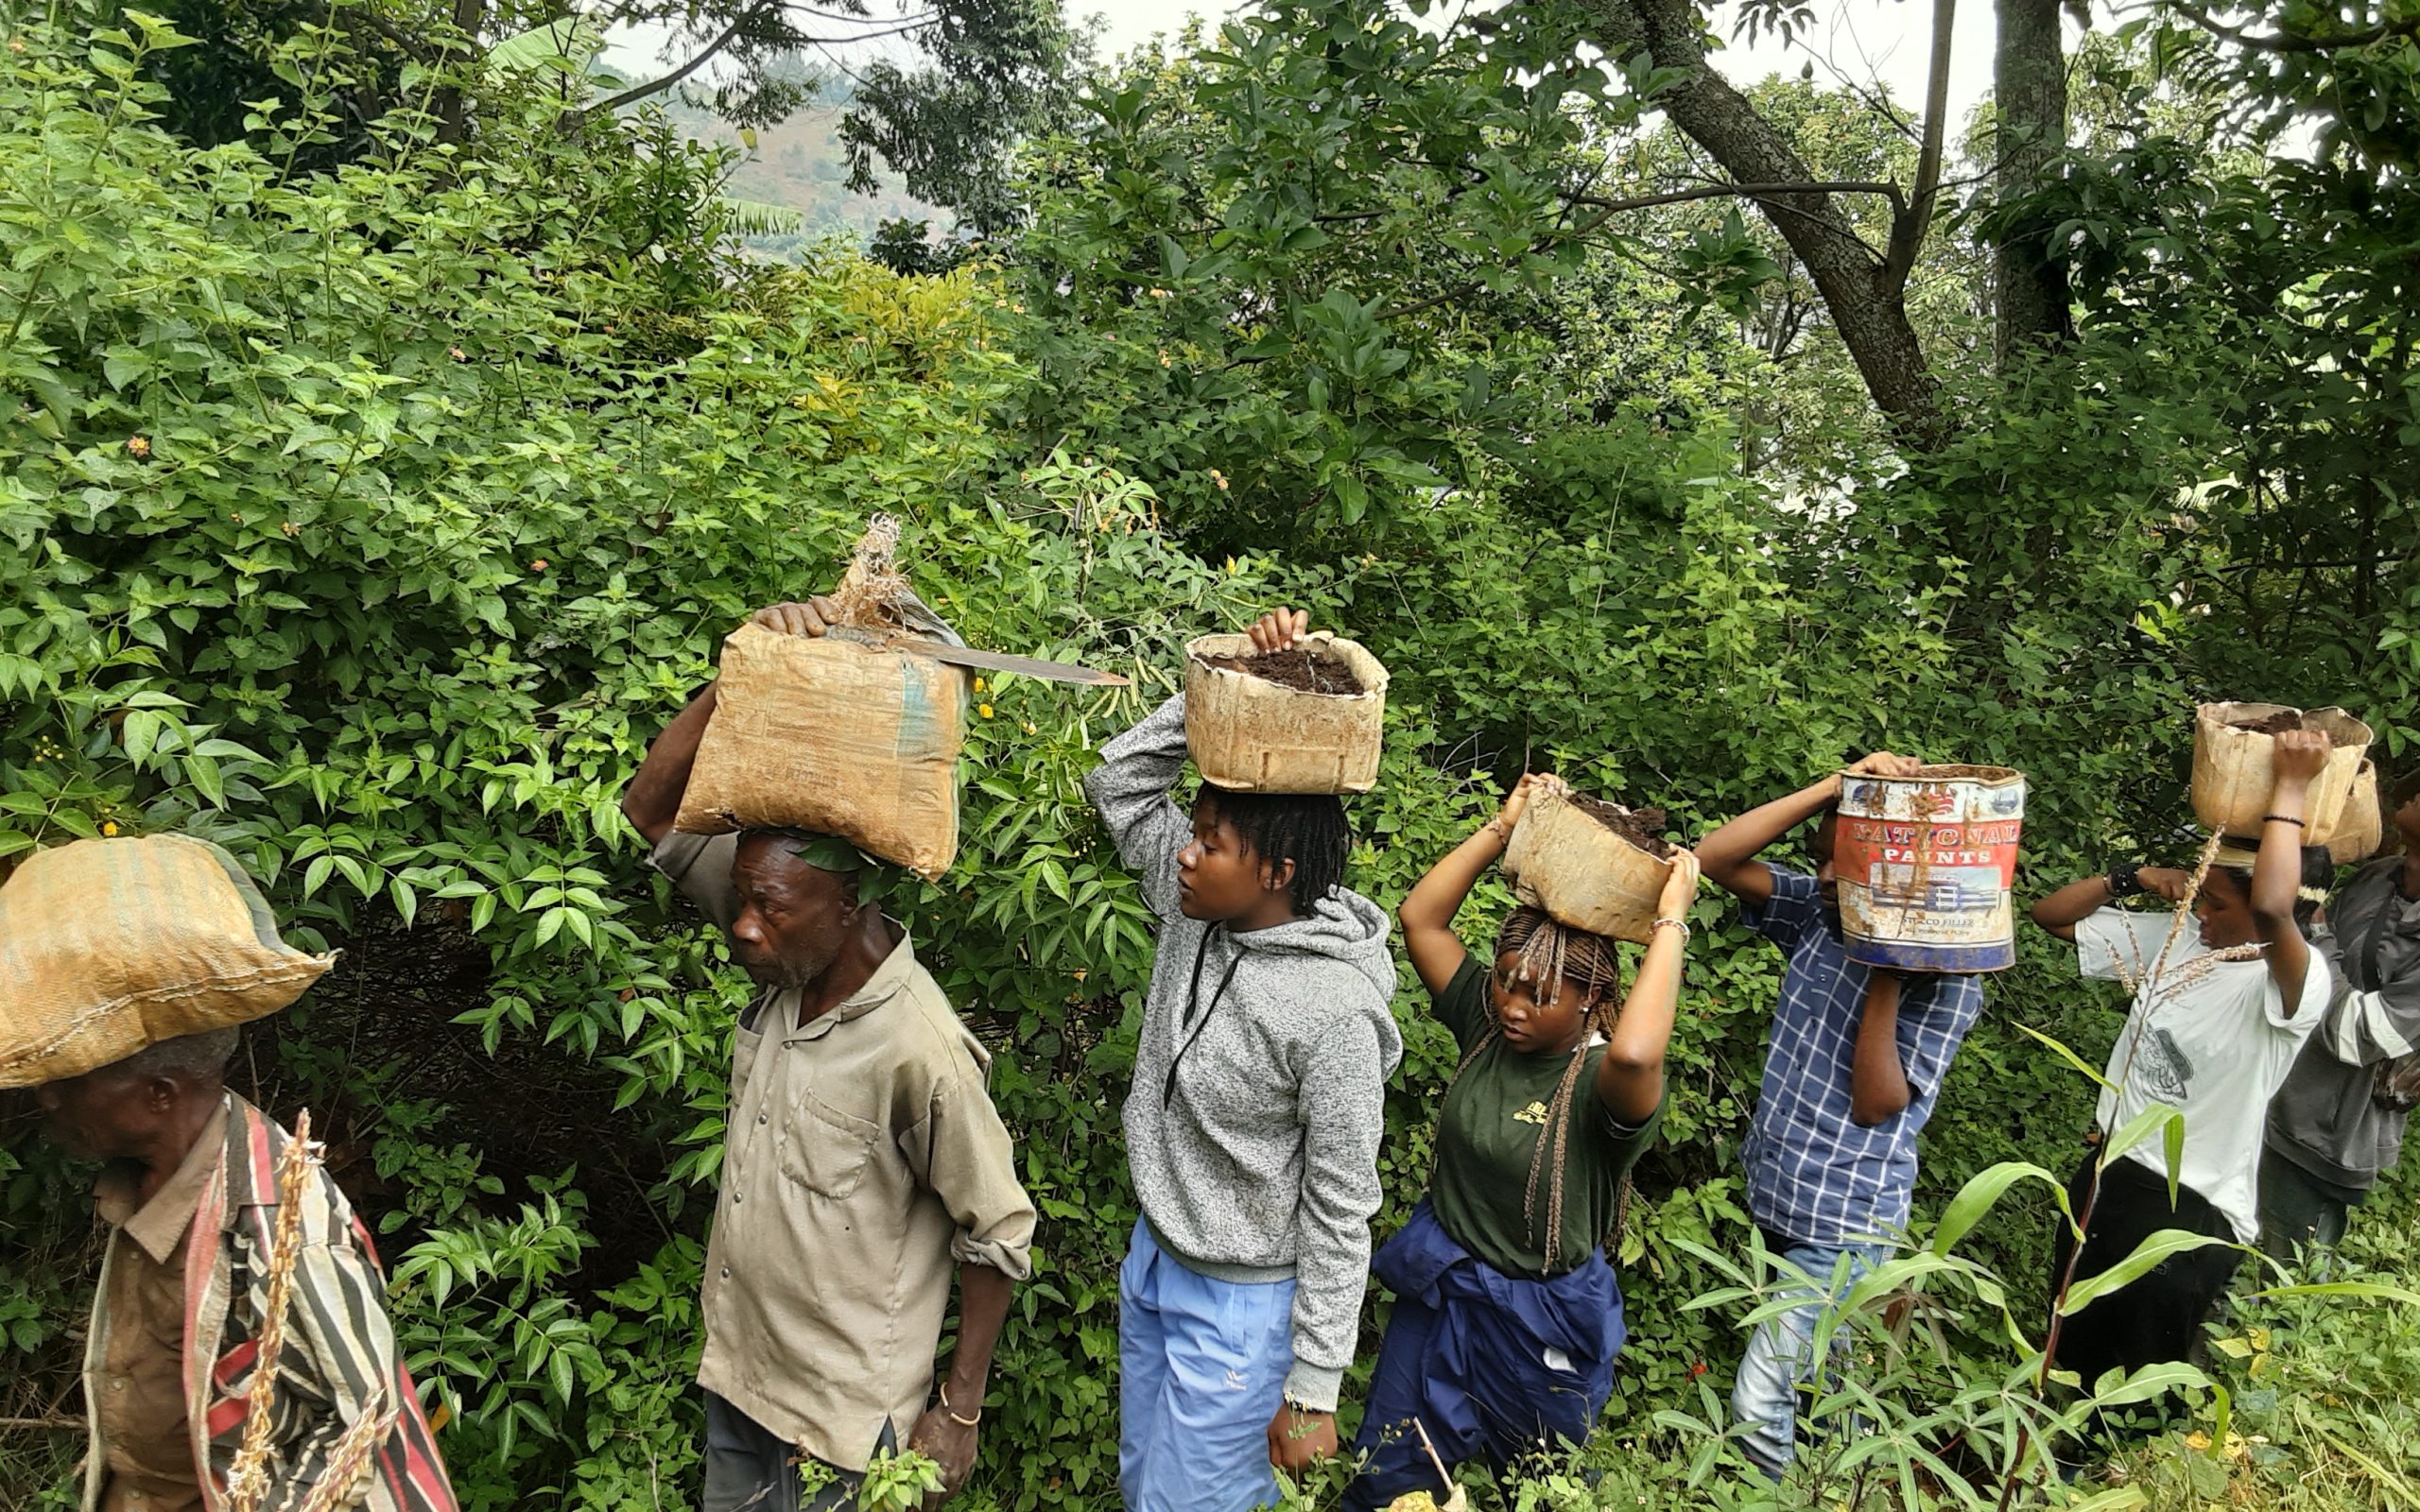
(639, 92)
(1744, 191)
(730, 33)
(1907, 229)
(857, 18)
(1606, 210)
(2291, 43)
(1867, 309)
(1673, 196)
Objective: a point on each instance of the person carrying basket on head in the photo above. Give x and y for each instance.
(1508, 1316)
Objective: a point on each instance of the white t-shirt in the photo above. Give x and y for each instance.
(2214, 1043)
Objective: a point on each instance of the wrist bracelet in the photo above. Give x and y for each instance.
(962, 1422)
(1495, 826)
(1681, 924)
(2283, 818)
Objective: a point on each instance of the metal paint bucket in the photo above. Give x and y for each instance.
(1927, 866)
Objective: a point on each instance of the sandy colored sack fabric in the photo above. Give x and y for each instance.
(108, 947)
(831, 734)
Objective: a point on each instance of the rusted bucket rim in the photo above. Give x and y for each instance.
(1946, 772)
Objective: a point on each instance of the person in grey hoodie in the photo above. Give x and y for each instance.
(1252, 1127)
(2339, 1120)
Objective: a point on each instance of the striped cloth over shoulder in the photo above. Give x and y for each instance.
(340, 1361)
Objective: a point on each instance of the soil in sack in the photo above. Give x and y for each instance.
(2276, 723)
(1642, 828)
(1303, 670)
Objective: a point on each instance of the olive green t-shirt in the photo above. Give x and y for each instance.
(1488, 1133)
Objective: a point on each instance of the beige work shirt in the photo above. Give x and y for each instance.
(139, 1399)
(862, 1160)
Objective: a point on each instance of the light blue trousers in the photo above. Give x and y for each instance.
(1201, 1369)
(1781, 1357)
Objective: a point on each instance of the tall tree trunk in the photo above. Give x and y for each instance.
(2030, 94)
(453, 120)
(1864, 295)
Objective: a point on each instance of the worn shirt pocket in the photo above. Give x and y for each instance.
(828, 1151)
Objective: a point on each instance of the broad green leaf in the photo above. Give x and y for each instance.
(2151, 1252)
(1981, 1191)
(2065, 1054)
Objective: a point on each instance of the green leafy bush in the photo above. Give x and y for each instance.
(370, 522)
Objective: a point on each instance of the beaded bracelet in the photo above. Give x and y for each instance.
(1680, 924)
(2283, 818)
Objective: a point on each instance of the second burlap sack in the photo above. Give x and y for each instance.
(109, 947)
(835, 735)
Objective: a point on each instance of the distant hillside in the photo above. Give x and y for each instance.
(800, 166)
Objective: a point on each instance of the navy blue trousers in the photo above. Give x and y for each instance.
(1495, 1367)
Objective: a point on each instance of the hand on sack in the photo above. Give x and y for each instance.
(814, 617)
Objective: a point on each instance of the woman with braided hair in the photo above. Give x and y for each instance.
(1506, 1316)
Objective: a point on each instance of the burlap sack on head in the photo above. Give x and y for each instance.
(108, 947)
(835, 735)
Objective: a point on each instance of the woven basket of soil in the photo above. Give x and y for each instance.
(1306, 720)
(1590, 864)
(2363, 826)
(2233, 744)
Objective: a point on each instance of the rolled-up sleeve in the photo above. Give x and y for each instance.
(699, 867)
(970, 1163)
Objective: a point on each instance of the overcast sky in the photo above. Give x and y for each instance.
(1867, 41)
(1864, 41)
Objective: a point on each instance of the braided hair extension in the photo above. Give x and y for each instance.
(1307, 828)
(1547, 956)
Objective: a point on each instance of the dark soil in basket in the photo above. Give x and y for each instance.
(1642, 828)
(2276, 723)
(1302, 670)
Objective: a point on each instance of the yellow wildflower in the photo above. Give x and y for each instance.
(983, 709)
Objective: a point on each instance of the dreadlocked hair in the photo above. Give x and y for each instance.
(1549, 954)
(2318, 876)
(1307, 828)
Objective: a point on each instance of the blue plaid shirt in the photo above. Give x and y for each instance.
(1814, 1176)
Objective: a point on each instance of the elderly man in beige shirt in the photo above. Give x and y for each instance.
(862, 1158)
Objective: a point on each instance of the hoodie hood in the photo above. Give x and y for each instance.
(1344, 927)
